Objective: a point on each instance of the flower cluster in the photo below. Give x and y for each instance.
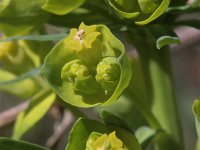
(89, 67)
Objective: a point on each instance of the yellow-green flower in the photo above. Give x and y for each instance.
(97, 141)
(89, 67)
(6, 48)
(81, 38)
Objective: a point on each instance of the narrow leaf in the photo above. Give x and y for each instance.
(32, 73)
(167, 40)
(10, 144)
(12, 84)
(196, 111)
(184, 8)
(51, 37)
(38, 107)
(163, 35)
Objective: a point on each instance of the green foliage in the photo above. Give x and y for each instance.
(83, 128)
(145, 136)
(26, 120)
(141, 11)
(61, 7)
(89, 66)
(196, 111)
(21, 16)
(11, 84)
(9, 144)
(87, 46)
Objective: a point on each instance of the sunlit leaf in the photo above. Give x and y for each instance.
(22, 86)
(145, 136)
(84, 127)
(196, 111)
(61, 7)
(167, 40)
(38, 107)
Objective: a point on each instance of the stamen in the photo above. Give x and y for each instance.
(79, 35)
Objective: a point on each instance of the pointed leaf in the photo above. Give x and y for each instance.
(163, 35)
(112, 119)
(145, 135)
(38, 107)
(167, 40)
(196, 111)
(12, 84)
(184, 8)
(51, 37)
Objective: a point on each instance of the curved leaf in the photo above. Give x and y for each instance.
(10, 144)
(38, 107)
(128, 15)
(184, 8)
(167, 40)
(163, 35)
(12, 84)
(196, 111)
(145, 136)
(61, 7)
(158, 12)
(84, 127)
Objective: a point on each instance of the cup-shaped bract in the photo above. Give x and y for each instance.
(89, 67)
(141, 11)
(104, 141)
(89, 134)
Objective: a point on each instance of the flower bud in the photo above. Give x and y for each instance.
(108, 73)
(74, 69)
(89, 67)
(79, 75)
(98, 141)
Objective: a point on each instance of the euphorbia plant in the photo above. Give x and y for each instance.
(90, 67)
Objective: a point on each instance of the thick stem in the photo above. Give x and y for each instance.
(158, 77)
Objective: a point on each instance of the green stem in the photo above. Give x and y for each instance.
(198, 144)
(142, 107)
(158, 77)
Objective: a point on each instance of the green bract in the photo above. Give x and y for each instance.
(89, 67)
(61, 7)
(89, 134)
(141, 11)
(19, 17)
(100, 141)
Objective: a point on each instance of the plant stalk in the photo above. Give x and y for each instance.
(156, 67)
